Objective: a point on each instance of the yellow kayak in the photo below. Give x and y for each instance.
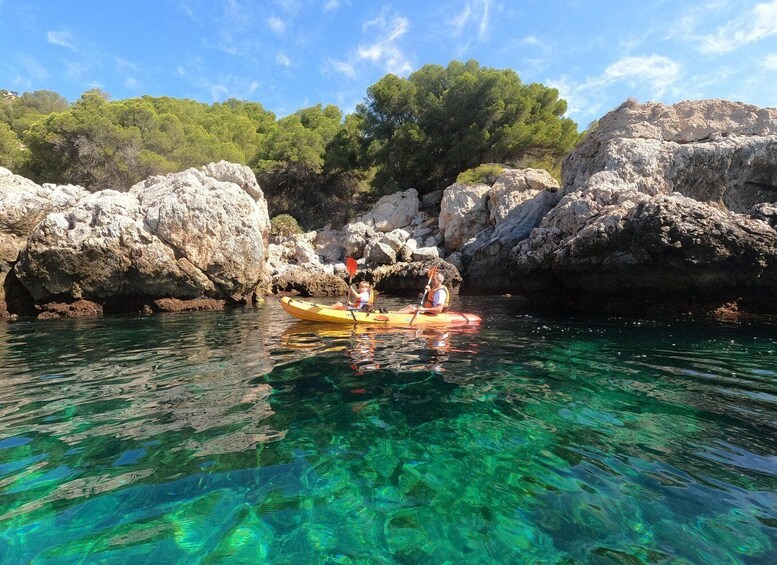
(322, 313)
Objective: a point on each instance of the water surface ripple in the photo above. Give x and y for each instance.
(246, 437)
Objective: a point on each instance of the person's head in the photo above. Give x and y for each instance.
(364, 286)
(438, 279)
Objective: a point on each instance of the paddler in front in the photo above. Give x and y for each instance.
(359, 300)
(436, 297)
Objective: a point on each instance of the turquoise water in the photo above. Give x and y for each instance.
(245, 437)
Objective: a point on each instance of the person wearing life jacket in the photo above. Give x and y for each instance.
(437, 298)
(362, 299)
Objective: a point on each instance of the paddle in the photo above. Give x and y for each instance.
(350, 266)
(432, 272)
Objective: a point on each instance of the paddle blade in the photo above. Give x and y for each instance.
(432, 272)
(350, 266)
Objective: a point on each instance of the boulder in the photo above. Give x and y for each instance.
(622, 250)
(329, 244)
(515, 186)
(23, 204)
(392, 211)
(183, 235)
(463, 213)
(381, 253)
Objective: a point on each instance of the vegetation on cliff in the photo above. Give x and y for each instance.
(420, 132)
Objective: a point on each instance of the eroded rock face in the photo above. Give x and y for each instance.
(463, 213)
(623, 250)
(23, 204)
(183, 235)
(657, 214)
(715, 151)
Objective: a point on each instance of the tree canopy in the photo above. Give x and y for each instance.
(315, 164)
(424, 130)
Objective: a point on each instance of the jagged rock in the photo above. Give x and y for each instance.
(307, 283)
(514, 187)
(431, 199)
(23, 204)
(356, 236)
(330, 245)
(463, 213)
(485, 258)
(409, 279)
(713, 151)
(381, 253)
(392, 211)
(184, 235)
(622, 250)
(426, 254)
(766, 213)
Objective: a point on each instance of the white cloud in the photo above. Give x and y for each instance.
(646, 78)
(460, 21)
(180, 71)
(282, 59)
(385, 50)
(253, 87)
(331, 5)
(757, 24)
(656, 71)
(343, 68)
(61, 38)
(276, 25)
(770, 62)
(130, 82)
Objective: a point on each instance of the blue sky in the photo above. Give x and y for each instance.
(289, 54)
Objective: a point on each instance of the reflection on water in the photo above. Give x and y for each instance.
(244, 436)
(369, 348)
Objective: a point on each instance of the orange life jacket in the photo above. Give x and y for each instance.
(429, 295)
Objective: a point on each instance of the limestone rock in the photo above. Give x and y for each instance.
(310, 283)
(713, 151)
(392, 211)
(515, 186)
(183, 235)
(463, 213)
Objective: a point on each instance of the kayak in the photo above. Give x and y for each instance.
(322, 313)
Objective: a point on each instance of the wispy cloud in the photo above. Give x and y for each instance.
(332, 5)
(282, 59)
(61, 38)
(650, 76)
(385, 51)
(655, 71)
(474, 15)
(277, 25)
(343, 68)
(757, 24)
(770, 62)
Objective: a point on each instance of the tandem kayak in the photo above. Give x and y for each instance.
(322, 313)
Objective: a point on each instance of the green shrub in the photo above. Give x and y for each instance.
(482, 174)
(284, 225)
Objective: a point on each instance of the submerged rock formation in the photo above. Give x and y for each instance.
(655, 213)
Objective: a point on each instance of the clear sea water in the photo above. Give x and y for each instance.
(245, 437)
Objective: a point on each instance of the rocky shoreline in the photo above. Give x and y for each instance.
(661, 208)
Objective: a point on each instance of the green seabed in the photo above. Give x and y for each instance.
(245, 437)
